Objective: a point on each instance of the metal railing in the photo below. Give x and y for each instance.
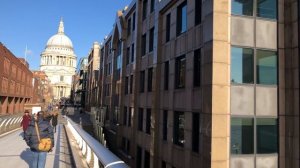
(10, 122)
(95, 153)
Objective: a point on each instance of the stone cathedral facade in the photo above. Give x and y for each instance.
(58, 61)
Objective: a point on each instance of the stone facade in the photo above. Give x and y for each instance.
(58, 61)
(202, 84)
(92, 76)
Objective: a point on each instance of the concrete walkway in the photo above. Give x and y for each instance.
(14, 153)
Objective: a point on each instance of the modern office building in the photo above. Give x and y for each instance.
(193, 83)
(80, 83)
(58, 61)
(92, 77)
(16, 87)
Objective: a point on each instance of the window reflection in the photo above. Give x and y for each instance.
(242, 136)
(241, 65)
(267, 135)
(242, 7)
(266, 67)
(267, 8)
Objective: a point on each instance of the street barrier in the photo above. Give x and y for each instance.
(95, 153)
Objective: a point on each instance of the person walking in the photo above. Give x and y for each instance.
(26, 120)
(38, 129)
(54, 120)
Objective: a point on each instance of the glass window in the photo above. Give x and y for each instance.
(163, 164)
(133, 21)
(145, 4)
(132, 52)
(150, 76)
(146, 159)
(242, 141)
(144, 44)
(151, 40)
(130, 116)
(131, 84)
(198, 12)
(166, 76)
(139, 157)
(266, 67)
(165, 125)
(179, 128)
(242, 7)
(168, 27)
(180, 72)
(242, 65)
(141, 118)
(181, 18)
(197, 68)
(148, 121)
(126, 85)
(267, 8)
(142, 81)
(195, 132)
(128, 27)
(127, 55)
(152, 5)
(267, 135)
(125, 116)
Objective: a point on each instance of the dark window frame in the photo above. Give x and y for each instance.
(142, 81)
(168, 27)
(144, 44)
(152, 6)
(132, 52)
(150, 79)
(128, 27)
(198, 12)
(151, 39)
(133, 22)
(125, 116)
(148, 121)
(178, 129)
(195, 132)
(166, 75)
(182, 18)
(145, 12)
(140, 119)
(127, 55)
(197, 68)
(180, 72)
(131, 84)
(165, 125)
(126, 85)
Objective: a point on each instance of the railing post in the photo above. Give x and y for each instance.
(96, 161)
(88, 155)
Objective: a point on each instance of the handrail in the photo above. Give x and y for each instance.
(91, 147)
(9, 122)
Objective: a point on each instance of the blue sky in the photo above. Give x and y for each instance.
(33, 22)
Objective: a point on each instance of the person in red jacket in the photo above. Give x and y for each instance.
(26, 120)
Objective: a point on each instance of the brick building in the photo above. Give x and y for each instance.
(16, 87)
(43, 92)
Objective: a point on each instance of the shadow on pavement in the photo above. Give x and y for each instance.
(26, 156)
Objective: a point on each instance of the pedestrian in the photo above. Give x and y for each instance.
(54, 120)
(47, 116)
(26, 120)
(39, 129)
